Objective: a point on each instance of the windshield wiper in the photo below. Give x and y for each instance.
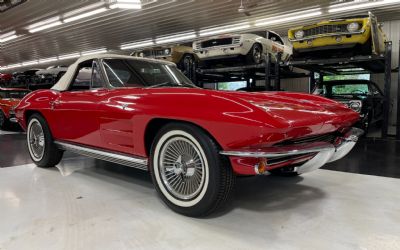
(159, 85)
(180, 84)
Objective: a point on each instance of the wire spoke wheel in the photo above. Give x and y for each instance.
(182, 168)
(36, 140)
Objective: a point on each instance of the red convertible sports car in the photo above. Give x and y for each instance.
(9, 98)
(146, 114)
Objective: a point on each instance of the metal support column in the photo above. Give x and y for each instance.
(267, 72)
(388, 83)
(398, 101)
(312, 83)
(277, 81)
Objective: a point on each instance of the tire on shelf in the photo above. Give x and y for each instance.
(188, 172)
(42, 150)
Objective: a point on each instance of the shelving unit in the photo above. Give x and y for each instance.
(272, 73)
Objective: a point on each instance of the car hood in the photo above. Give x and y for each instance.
(298, 110)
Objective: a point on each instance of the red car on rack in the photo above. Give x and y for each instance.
(5, 78)
(9, 98)
(146, 114)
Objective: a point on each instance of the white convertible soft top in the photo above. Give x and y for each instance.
(66, 79)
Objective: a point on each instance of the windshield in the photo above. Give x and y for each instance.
(15, 94)
(342, 89)
(139, 73)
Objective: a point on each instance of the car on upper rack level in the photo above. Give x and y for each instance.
(146, 114)
(178, 54)
(9, 98)
(250, 48)
(358, 35)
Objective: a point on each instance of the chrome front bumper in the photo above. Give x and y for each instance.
(321, 152)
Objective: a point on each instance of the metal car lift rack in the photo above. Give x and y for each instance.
(269, 71)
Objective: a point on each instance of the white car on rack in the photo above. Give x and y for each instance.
(252, 47)
(53, 70)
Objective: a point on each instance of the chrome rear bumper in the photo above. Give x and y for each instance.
(320, 152)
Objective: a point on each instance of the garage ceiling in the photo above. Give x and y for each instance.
(114, 27)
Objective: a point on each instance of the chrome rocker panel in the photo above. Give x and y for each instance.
(130, 161)
(324, 152)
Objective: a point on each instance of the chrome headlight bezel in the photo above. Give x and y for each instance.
(299, 34)
(355, 105)
(353, 27)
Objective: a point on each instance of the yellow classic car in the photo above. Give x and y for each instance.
(359, 35)
(178, 54)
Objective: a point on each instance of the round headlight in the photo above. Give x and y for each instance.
(141, 54)
(299, 34)
(353, 27)
(355, 105)
(167, 51)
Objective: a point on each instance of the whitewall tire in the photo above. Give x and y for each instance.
(42, 150)
(188, 172)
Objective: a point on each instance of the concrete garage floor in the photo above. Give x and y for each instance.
(91, 204)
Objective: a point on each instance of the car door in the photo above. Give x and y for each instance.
(119, 107)
(76, 114)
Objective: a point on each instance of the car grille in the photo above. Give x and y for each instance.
(156, 53)
(330, 138)
(216, 42)
(326, 29)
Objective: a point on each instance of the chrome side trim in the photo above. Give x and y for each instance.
(327, 35)
(130, 161)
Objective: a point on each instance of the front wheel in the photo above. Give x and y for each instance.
(189, 174)
(255, 54)
(44, 153)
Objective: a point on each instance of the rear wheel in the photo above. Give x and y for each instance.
(44, 153)
(3, 120)
(189, 174)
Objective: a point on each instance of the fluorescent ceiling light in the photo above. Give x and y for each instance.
(289, 17)
(69, 56)
(176, 38)
(11, 66)
(224, 29)
(134, 6)
(137, 44)
(96, 51)
(359, 5)
(30, 63)
(5, 39)
(52, 59)
(46, 26)
(83, 15)
(8, 36)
